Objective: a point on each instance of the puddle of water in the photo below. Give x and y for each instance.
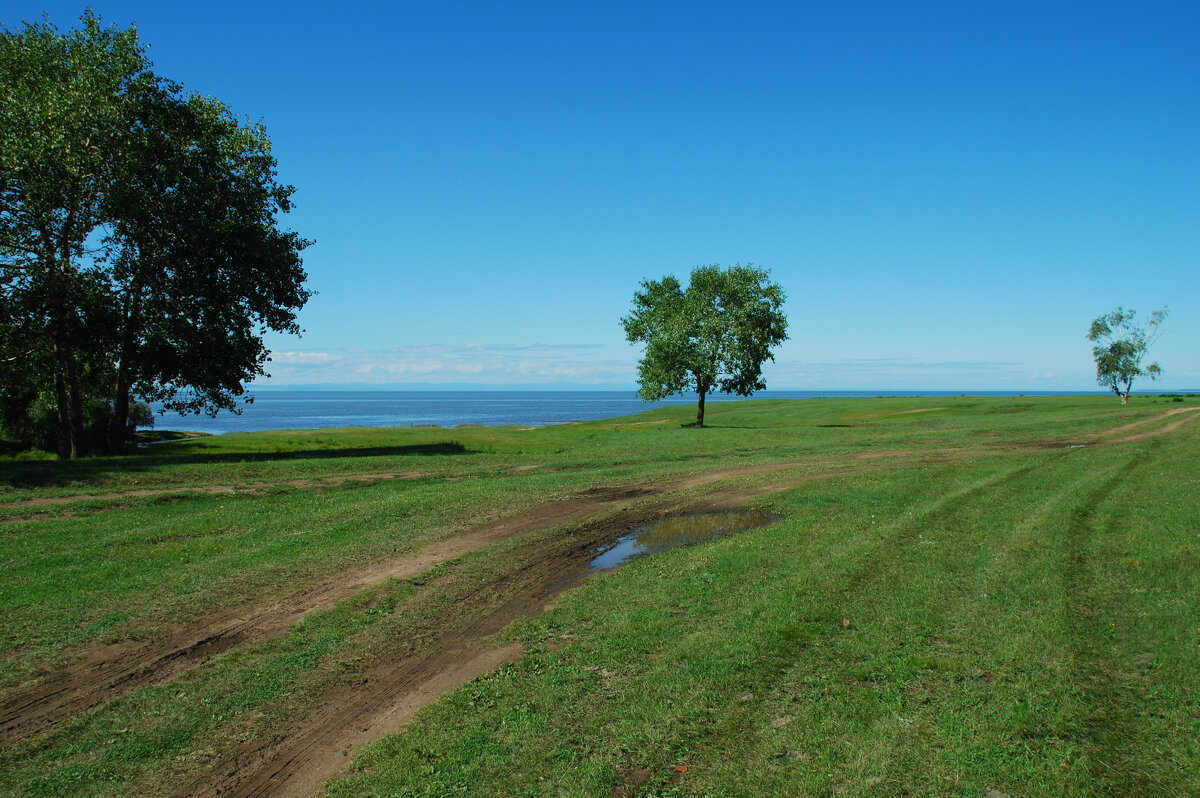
(680, 530)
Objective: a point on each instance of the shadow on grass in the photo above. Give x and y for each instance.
(50, 473)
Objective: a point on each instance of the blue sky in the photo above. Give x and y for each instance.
(949, 192)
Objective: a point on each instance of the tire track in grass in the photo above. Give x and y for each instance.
(1104, 673)
(865, 570)
(243, 488)
(953, 620)
(863, 574)
(1163, 430)
(112, 671)
(944, 605)
(971, 681)
(1132, 425)
(296, 761)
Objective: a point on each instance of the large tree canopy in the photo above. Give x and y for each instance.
(714, 335)
(1120, 346)
(140, 250)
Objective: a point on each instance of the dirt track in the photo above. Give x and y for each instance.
(115, 670)
(111, 671)
(315, 748)
(1108, 437)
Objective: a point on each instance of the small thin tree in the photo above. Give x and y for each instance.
(1121, 345)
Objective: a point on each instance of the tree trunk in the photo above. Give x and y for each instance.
(76, 392)
(118, 423)
(57, 339)
(66, 441)
(700, 408)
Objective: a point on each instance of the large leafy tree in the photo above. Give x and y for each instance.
(1120, 347)
(140, 250)
(63, 107)
(714, 335)
(200, 269)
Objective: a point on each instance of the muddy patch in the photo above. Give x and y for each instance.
(677, 531)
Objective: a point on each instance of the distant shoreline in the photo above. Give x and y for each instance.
(767, 393)
(309, 408)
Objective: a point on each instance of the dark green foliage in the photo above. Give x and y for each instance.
(715, 335)
(140, 253)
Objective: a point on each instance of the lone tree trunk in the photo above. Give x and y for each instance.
(1116, 388)
(700, 407)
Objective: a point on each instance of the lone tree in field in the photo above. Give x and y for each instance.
(1120, 346)
(715, 335)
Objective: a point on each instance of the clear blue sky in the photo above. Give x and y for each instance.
(948, 191)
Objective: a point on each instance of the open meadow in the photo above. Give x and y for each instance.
(962, 596)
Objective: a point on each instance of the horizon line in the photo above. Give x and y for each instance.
(515, 388)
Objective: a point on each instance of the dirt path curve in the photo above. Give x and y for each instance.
(116, 670)
(1108, 435)
(1151, 433)
(295, 762)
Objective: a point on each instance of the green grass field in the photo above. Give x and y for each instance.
(964, 596)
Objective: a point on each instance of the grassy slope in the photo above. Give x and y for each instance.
(1025, 625)
(1022, 622)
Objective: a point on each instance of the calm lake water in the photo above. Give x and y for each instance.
(286, 409)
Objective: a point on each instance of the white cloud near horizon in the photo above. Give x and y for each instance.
(485, 364)
(603, 366)
(898, 372)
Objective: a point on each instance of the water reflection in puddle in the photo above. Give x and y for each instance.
(680, 530)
